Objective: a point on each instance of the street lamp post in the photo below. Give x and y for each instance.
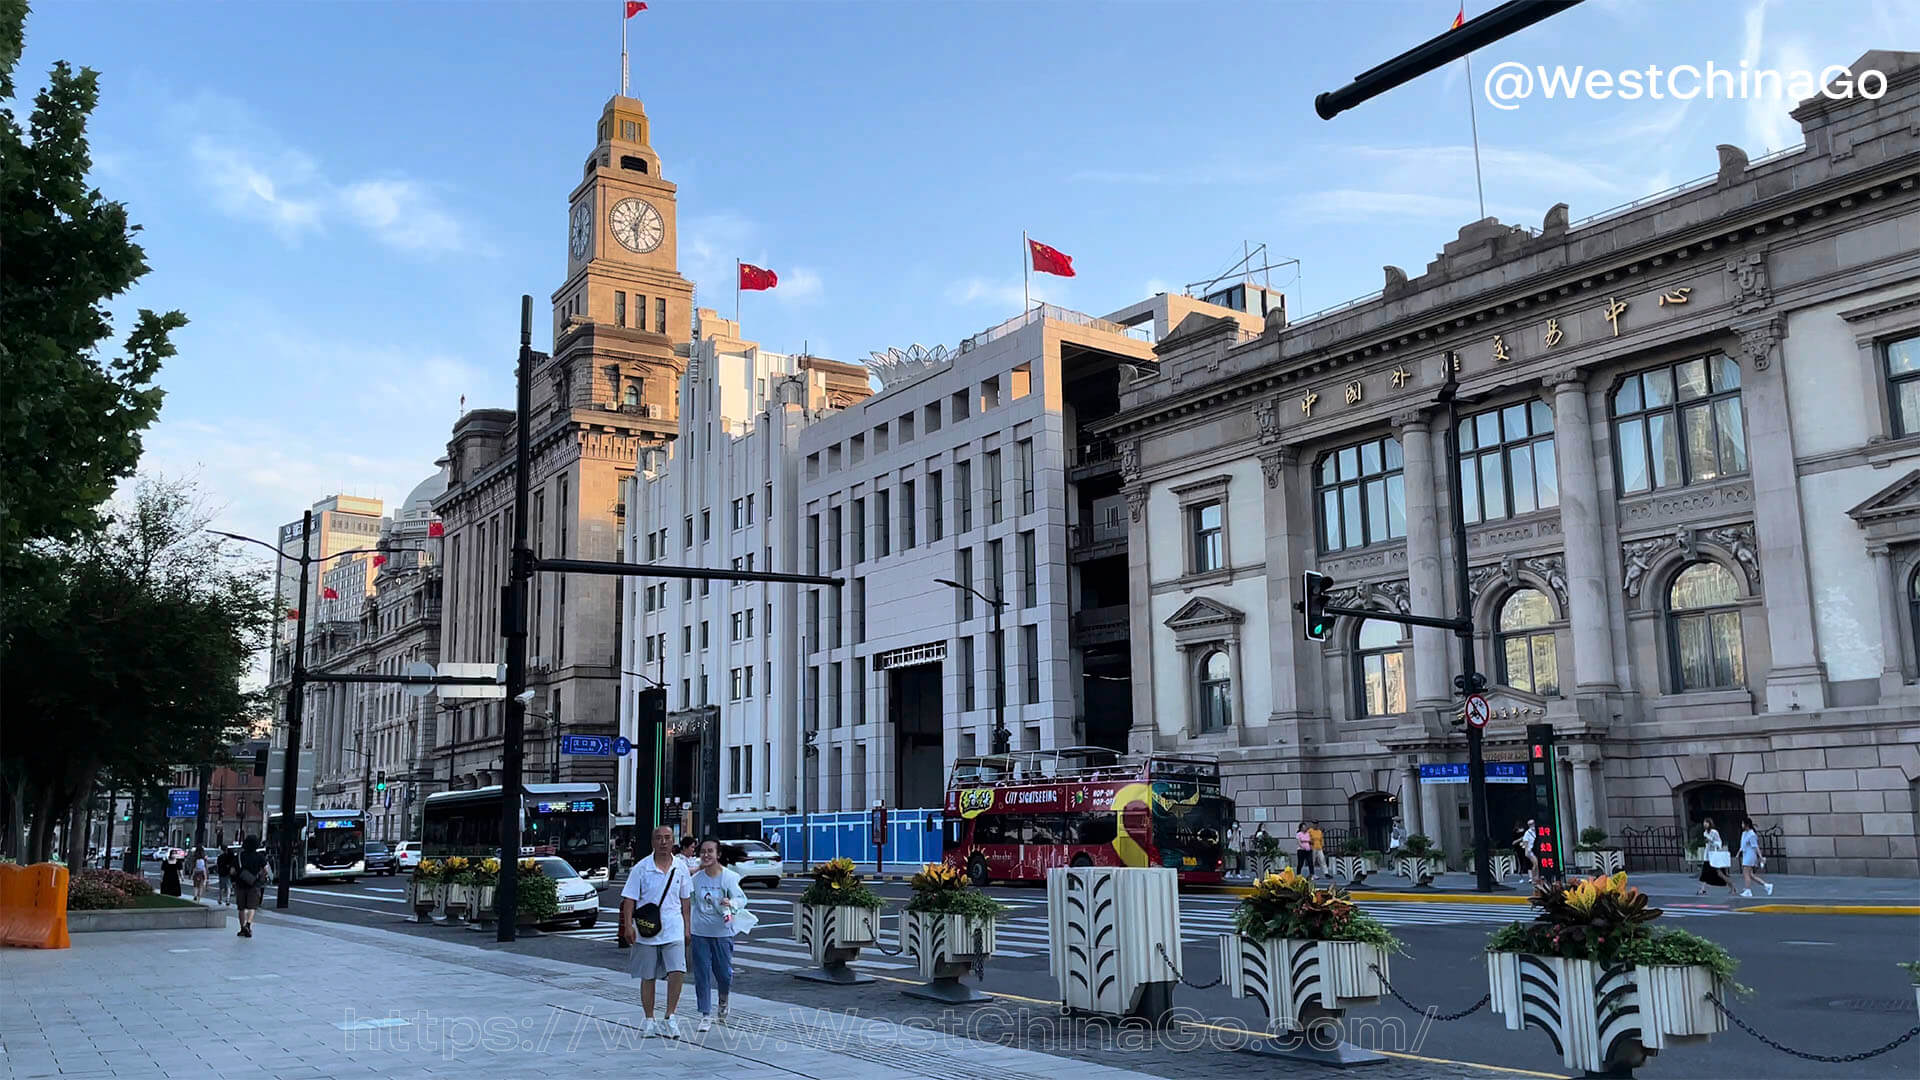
(1002, 738)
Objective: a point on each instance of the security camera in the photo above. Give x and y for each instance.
(524, 697)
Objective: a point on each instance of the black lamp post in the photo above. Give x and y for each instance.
(1002, 738)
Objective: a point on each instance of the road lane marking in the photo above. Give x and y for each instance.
(356, 896)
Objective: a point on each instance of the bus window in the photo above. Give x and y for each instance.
(995, 829)
(1095, 830)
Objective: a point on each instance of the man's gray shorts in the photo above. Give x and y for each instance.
(655, 961)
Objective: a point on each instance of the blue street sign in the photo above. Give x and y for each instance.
(622, 746)
(183, 802)
(1498, 772)
(588, 745)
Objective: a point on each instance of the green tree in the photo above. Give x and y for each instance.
(129, 659)
(71, 418)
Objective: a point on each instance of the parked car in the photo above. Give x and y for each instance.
(755, 861)
(406, 855)
(579, 900)
(379, 859)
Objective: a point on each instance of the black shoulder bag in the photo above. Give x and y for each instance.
(647, 917)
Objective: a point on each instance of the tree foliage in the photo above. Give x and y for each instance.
(70, 417)
(127, 657)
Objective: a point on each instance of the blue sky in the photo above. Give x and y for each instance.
(347, 199)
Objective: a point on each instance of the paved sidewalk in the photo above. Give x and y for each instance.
(306, 999)
(1789, 889)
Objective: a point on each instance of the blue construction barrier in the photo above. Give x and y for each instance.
(914, 837)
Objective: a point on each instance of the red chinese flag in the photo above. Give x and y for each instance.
(1050, 260)
(1459, 20)
(436, 530)
(379, 560)
(635, 7)
(329, 594)
(293, 613)
(754, 279)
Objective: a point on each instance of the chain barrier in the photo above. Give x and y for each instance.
(899, 937)
(1831, 1059)
(1428, 1011)
(1162, 947)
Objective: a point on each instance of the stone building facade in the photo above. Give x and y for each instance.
(1690, 466)
(608, 387)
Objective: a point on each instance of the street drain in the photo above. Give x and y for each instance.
(1871, 1005)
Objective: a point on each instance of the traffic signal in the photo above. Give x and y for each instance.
(380, 782)
(1315, 588)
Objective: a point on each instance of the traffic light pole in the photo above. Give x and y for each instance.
(1509, 18)
(1470, 680)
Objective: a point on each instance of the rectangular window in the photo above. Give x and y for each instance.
(706, 525)
(686, 640)
(619, 308)
(882, 524)
(996, 570)
(833, 538)
(1025, 448)
(733, 758)
(990, 393)
(905, 426)
(1507, 462)
(1361, 494)
(834, 690)
(1029, 571)
(746, 752)
(766, 686)
(996, 481)
(660, 315)
(1209, 547)
(859, 601)
(859, 531)
(813, 543)
(906, 515)
(733, 691)
(880, 441)
(1679, 424)
(966, 674)
(1030, 654)
(963, 573)
(959, 406)
(1903, 385)
(998, 639)
(936, 508)
(859, 691)
(813, 620)
(749, 630)
(1020, 382)
(930, 418)
(813, 697)
(749, 509)
(735, 624)
(963, 491)
(706, 634)
(688, 542)
(739, 506)
(837, 619)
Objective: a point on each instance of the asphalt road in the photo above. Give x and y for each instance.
(1823, 983)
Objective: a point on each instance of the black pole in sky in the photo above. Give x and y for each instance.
(513, 606)
(1507, 19)
(1470, 681)
(296, 682)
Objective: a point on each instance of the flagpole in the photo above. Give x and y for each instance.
(1474, 118)
(1026, 273)
(623, 48)
(736, 296)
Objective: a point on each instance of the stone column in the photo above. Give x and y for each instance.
(1142, 737)
(1290, 659)
(1586, 811)
(1426, 583)
(1587, 606)
(1410, 800)
(1797, 678)
(1893, 676)
(1433, 822)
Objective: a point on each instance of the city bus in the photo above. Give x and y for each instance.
(326, 843)
(572, 821)
(1013, 817)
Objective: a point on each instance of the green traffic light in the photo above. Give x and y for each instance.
(381, 786)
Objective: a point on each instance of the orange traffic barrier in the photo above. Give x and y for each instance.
(33, 906)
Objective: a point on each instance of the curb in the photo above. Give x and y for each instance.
(1434, 897)
(1831, 909)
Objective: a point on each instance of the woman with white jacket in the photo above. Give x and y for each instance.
(718, 904)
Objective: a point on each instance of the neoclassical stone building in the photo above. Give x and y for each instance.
(1689, 460)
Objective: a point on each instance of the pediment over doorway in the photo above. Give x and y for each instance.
(1201, 613)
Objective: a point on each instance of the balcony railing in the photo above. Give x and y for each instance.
(1098, 626)
(1095, 452)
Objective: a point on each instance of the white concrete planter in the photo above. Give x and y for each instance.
(1349, 867)
(1413, 869)
(1674, 1007)
(1504, 865)
(1592, 1014)
(423, 897)
(1602, 860)
(834, 934)
(1113, 939)
(482, 913)
(946, 945)
(458, 900)
(1262, 865)
(1299, 982)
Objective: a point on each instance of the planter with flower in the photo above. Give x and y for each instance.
(1306, 955)
(1354, 862)
(456, 888)
(423, 889)
(948, 927)
(538, 896)
(835, 918)
(1417, 860)
(1609, 990)
(1262, 853)
(1595, 854)
(483, 875)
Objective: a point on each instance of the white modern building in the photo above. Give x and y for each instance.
(970, 467)
(723, 495)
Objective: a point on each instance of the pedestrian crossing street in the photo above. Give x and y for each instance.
(1022, 933)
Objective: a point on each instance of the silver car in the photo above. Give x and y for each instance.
(756, 861)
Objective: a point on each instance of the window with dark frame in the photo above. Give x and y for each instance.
(1507, 462)
(963, 492)
(1362, 497)
(1903, 385)
(1205, 523)
(1703, 622)
(1679, 424)
(1529, 658)
(1030, 652)
(1379, 666)
(1216, 692)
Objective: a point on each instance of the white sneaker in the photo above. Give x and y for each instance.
(1746, 892)
(649, 1028)
(1769, 888)
(670, 1027)
(705, 1025)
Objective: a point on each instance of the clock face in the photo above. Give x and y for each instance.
(581, 232)
(637, 225)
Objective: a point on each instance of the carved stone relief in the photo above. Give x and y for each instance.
(1549, 568)
(1130, 460)
(1136, 500)
(1757, 342)
(1266, 420)
(1750, 291)
(1639, 556)
(1688, 503)
(1390, 595)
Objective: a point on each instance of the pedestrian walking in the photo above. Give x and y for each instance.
(1397, 839)
(199, 874)
(170, 873)
(1751, 860)
(655, 912)
(250, 882)
(689, 855)
(224, 866)
(1523, 853)
(1303, 851)
(718, 906)
(1715, 860)
(1319, 840)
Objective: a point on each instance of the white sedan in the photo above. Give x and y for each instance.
(406, 855)
(756, 861)
(579, 900)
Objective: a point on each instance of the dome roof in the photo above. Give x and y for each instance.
(419, 501)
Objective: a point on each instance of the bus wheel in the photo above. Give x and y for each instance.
(1082, 859)
(977, 870)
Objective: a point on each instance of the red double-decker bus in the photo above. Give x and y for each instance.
(1013, 817)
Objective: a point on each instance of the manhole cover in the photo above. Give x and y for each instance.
(1871, 1005)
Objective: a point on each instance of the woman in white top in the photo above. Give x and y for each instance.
(199, 873)
(718, 903)
(1709, 873)
(1750, 859)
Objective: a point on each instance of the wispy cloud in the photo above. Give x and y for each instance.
(1007, 294)
(254, 175)
(799, 285)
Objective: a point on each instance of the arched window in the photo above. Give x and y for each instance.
(1380, 658)
(1528, 658)
(1705, 628)
(632, 396)
(1216, 692)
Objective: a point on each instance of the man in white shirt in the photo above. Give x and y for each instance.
(660, 880)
